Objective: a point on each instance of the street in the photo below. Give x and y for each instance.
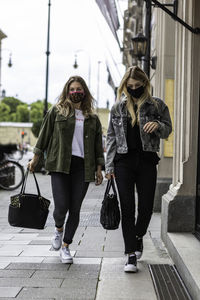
(30, 270)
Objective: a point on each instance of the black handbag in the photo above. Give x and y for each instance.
(110, 213)
(28, 210)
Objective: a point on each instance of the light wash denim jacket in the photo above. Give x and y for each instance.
(117, 131)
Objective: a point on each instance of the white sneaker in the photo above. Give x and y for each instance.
(65, 255)
(131, 264)
(57, 239)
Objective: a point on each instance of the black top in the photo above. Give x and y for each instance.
(133, 136)
(135, 150)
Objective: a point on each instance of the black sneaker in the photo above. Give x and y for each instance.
(139, 247)
(131, 264)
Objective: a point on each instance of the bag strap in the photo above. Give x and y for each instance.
(25, 181)
(111, 182)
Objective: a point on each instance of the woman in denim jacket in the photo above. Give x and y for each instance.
(137, 123)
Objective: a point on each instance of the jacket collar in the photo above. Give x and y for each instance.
(123, 101)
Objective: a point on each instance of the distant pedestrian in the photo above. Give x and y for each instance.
(71, 136)
(137, 123)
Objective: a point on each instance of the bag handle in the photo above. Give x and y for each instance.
(110, 183)
(25, 181)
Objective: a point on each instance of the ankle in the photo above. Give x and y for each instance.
(132, 254)
(59, 229)
(65, 245)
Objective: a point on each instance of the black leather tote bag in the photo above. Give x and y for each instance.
(110, 213)
(28, 210)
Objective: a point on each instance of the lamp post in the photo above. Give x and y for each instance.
(75, 65)
(139, 46)
(98, 79)
(47, 62)
(142, 44)
(9, 65)
(147, 57)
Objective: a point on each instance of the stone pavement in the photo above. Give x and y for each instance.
(30, 270)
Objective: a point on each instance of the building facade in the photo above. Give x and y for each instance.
(11, 133)
(176, 80)
(181, 204)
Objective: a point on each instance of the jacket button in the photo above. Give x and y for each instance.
(86, 136)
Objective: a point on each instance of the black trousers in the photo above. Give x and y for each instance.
(131, 172)
(68, 192)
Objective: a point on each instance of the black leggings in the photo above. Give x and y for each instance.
(143, 174)
(68, 192)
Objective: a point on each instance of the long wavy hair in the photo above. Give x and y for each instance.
(138, 74)
(65, 105)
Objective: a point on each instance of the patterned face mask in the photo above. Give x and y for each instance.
(76, 96)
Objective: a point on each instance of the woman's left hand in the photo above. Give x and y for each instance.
(150, 127)
(99, 177)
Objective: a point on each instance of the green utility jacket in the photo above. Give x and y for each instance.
(55, 139)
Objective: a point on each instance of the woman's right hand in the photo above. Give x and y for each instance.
(33, 163)
(109, 175)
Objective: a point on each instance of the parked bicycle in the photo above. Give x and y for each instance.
(11, 171)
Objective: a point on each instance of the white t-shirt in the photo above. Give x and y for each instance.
(77, 142)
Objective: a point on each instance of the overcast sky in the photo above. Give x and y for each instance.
(77, 27)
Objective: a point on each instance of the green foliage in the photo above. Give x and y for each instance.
(14, 110)
(4, 112)
(22, 113)
(36, 116)
(36, 112)
(12, 103)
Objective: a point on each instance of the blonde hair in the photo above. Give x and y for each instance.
(138, 74)
(64, 104)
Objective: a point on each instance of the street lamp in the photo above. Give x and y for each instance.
(47, 63)
(3, 92)
(139, 45)
(10, 61)
(75, 65)
(98, 80)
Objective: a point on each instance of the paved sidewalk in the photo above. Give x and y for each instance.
(29, 270)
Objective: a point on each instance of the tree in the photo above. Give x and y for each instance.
(4, 112)
(36, 112)
(14, 110)
(12, 102)
(36, 116)
(22, 113)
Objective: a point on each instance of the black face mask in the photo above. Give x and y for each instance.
(136, 93)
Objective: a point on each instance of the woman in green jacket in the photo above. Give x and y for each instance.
(71, 137)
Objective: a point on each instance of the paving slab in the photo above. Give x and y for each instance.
(16, 273)
(40, 242)
(28, 259)
(3, 265)
(6, 236)
(30, 282)
(29, 298)
(15, 242)
(33, 266)
(9, 291)
(116, 284)
(80, 292)
(85, 253)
